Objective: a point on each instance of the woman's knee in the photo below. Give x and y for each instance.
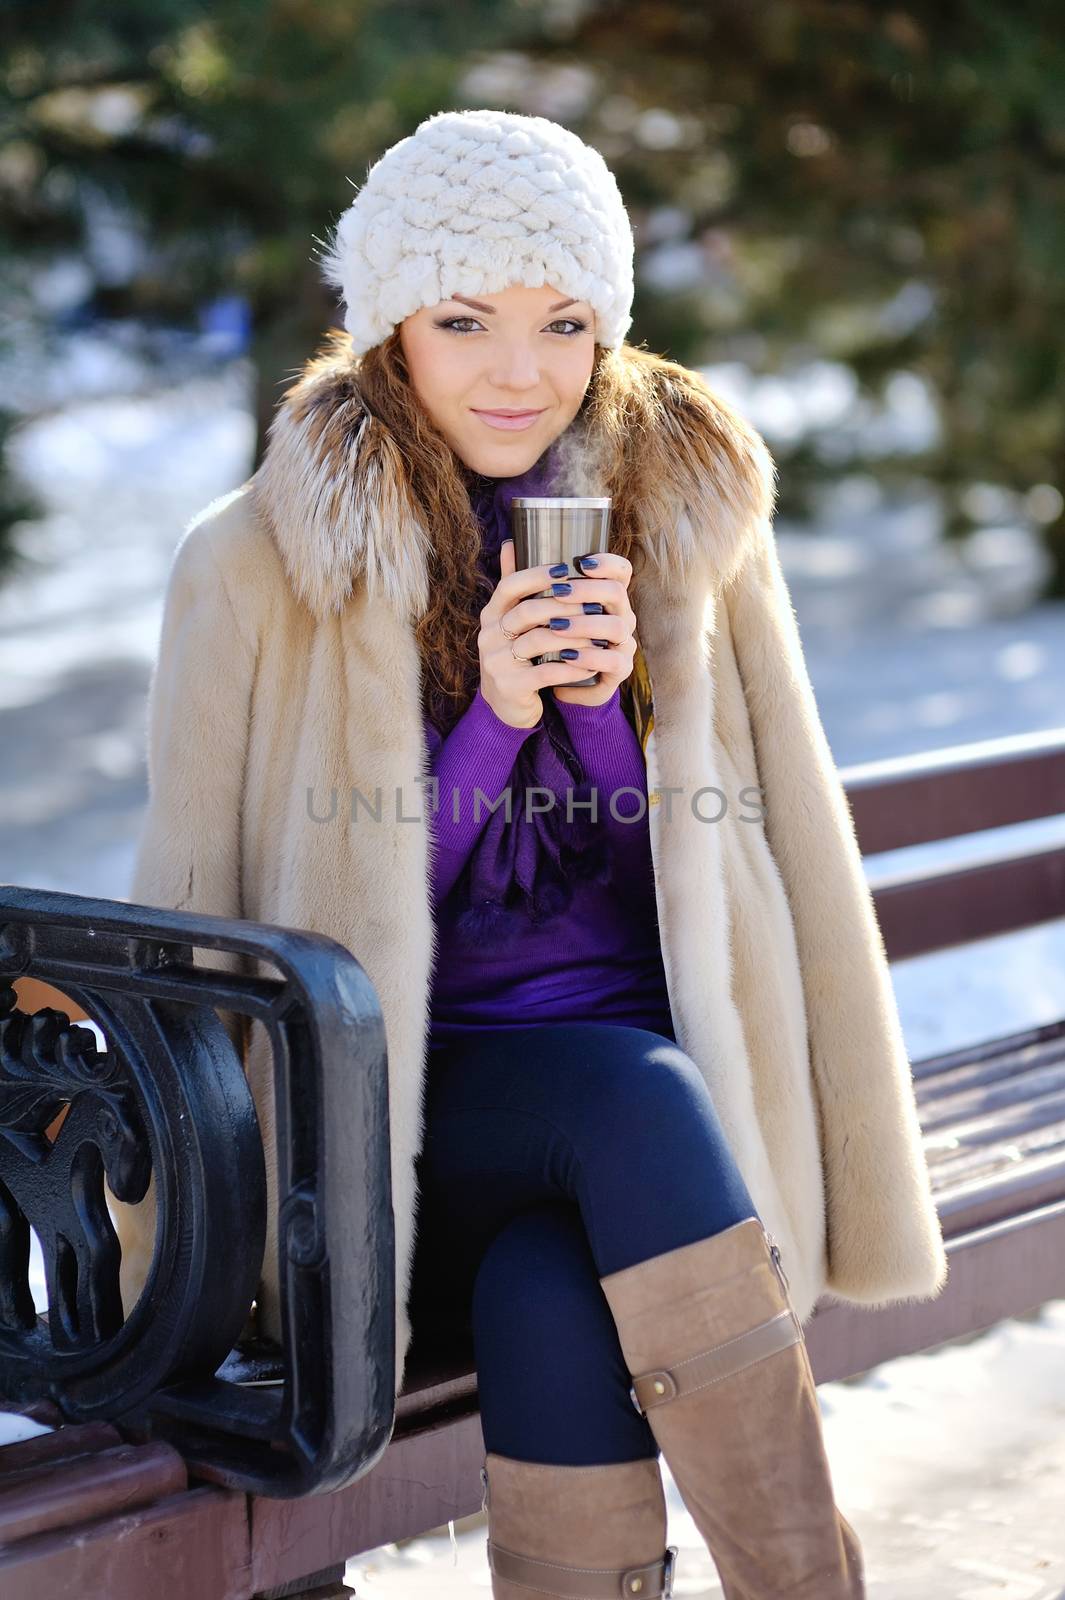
(536, 1277)
(538, 1306)
(652, 1130)
(646, 1090)
(552, 1379)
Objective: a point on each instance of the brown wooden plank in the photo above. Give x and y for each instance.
(1028, 1086)
(1002, 1270)
(432, 1389)
(988, 1049)
(1011, 1191)
(65, 1444)
(55, 1494)
(974, 1163)
(1000, 1126)
(939, 908)
(191, 1546)
(421, 1481)
(941, 794)
(934, 1086)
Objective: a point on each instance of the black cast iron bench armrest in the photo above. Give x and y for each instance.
(168, 1095)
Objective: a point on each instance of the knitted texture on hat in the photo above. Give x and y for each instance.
(474, 202)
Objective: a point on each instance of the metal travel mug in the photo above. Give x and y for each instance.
(548, 530)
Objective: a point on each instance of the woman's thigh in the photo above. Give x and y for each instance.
(615, 1119)
(551, 1377)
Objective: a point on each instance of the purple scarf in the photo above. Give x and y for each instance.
(526, 870)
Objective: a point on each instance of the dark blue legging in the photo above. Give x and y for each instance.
(553, 1155)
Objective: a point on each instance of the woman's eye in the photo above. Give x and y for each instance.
(578, 327)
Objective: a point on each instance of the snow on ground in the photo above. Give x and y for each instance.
(951, 1463)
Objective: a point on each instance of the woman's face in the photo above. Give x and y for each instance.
(516, 350)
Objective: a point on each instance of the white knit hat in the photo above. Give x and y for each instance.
(471, 203)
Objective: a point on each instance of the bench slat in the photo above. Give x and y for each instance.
(187, 1547)
(969, 1161)
(988, 1049)
(941, 794)
(64, 1444)
(940, 908)
(999, 1270)
(997, 1127)
(1025, 1084)
(1009, 1193)
(56, 1494)
(990, 1069)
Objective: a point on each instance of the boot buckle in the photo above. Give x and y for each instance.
(661, 1383)
(655, 1581)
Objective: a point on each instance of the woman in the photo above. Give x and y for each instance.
(649, 1097)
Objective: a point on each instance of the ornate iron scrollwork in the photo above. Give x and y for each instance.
(48, 1067)
(167, 1098)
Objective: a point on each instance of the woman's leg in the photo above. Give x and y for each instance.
(551, 1378)
(613, 1118)
(573, 1490)
(619, 1121)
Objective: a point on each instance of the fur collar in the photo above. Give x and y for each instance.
(332, 489)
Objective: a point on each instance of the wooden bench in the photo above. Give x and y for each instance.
(993, 1116)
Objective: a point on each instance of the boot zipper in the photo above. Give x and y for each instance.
(774, 1250)
(484, 1498)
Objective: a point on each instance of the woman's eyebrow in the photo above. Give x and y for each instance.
(479, 305)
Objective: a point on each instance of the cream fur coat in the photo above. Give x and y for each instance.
(288, 659)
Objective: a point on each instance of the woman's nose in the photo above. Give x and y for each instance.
(516, 367)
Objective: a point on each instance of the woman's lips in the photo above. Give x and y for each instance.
(495, 419)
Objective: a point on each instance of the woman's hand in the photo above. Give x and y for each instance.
(606, 639)
(509, 681)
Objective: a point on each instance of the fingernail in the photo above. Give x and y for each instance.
(592, 606)
(569, 655)
(559, 622)
(562, 588)
(587, 561)
(604, 644)
(559, 571)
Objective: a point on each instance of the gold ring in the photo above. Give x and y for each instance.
(504, 632)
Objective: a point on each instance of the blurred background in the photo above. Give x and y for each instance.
(850, 217)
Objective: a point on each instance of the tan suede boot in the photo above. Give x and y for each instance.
(720, 1368)
(589, 1533)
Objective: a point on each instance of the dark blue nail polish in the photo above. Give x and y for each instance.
(586, 561)
(559, 571)
(569, 655)
(562, 588)
(592, 606)
(559, 622)
(604, 644)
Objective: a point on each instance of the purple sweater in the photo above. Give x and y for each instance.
(599, 962)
